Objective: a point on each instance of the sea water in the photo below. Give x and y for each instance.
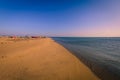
(100, 52)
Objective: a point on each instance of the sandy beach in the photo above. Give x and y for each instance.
(39, 59)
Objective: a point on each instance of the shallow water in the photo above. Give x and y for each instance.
(104, 52)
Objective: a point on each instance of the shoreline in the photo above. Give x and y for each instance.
(40, 59)
(100, 71)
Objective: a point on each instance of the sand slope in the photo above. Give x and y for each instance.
(39, 59)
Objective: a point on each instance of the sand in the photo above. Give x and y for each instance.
(39, 59)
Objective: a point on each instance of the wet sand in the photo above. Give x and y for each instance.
(39, 59)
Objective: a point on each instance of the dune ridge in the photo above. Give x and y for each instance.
(39, 59)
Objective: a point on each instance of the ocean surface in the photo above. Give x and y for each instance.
(101, 55)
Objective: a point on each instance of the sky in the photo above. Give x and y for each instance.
(79, 18)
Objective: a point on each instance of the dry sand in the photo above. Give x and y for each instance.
(39, 59)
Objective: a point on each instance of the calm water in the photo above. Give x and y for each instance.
(99, 51)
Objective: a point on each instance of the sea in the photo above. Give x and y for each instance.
(100, 54)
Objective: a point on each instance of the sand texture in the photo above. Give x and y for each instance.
(39, 59)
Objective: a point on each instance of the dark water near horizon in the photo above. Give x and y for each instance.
(101, 55)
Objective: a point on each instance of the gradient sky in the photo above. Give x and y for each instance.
(60, 17)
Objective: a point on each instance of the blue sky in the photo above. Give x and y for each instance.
(60, 17)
